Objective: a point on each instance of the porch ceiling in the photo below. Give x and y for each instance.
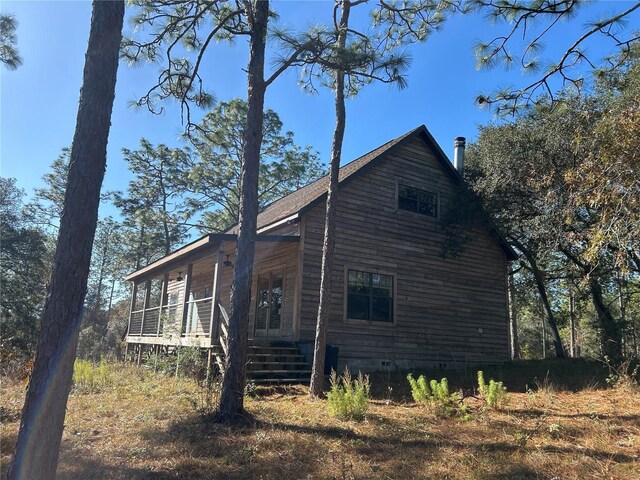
(208, 243)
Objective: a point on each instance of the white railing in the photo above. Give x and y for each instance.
(198, 317)
(224, 328)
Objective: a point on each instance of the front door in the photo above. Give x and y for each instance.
(269, 304)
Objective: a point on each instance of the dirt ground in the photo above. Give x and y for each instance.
(140, 425)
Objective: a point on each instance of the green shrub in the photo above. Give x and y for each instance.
(349, 399)
(624, 375)
(89, 377)
(436, 395)
(207, 397)
(183, 362)
(494, 393)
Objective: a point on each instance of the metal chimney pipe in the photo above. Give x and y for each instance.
(458, 153)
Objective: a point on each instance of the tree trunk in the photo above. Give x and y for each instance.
(101, 275)
(165, 224)
(513, 321)
(542, 290)
(232, 396)
(611, 338)
(38, 444)
(140, 249)
(113, 287)
(317, 373)
(572, 323)
(623, 315)
(551, 319)
(610, 331)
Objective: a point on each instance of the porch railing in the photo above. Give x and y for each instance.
(223, 337)
(135, 324)
(198, 318)
(170, 320)
(224, 328)
(151, 321)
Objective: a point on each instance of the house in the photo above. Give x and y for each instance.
(396, 303)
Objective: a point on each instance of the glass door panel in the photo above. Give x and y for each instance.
(269, 297)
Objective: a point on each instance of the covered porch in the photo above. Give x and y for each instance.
(183, 298)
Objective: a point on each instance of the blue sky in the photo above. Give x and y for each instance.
(38, 102)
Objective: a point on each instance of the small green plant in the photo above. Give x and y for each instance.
(436, 395)
(89, 377)
(494, 393)
(207, 396)
(183, 362)
(555, 430)
(348, 399)
(624, 375)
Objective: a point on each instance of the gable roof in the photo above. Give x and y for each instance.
(307, 197)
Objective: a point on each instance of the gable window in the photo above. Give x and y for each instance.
(369, 296)
(417, 200)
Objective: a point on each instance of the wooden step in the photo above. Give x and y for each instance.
(269, 381)
(278, 371)
(289, 364)
(277, 363)
(273, 351)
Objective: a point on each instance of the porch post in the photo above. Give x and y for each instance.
(132, 304)
(215, 297)
(163, 294)
(185, 298)
(147, 296)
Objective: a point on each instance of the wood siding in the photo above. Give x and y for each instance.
(269, 257)
(446, 310)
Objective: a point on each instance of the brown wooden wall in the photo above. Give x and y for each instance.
(269, 256)
(440, 304)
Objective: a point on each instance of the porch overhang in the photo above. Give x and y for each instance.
(204, 244)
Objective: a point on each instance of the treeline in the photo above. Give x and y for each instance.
(562, 183)
(174, 193)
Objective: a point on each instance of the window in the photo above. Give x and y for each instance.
(369, 296)
(417, 200)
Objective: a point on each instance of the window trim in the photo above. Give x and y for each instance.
(411, 184)
(394, 302)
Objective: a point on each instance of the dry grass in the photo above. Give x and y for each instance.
(142, 426)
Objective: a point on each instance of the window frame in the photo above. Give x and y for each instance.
(394, 292)
(410, 184)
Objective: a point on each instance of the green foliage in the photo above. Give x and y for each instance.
(494, 393)
(9, 55)
(207, 396)
(25, 269)
(348, 399)
(436, 396)
(214, 178)
(555, 430)
(184, 362)
(45, 208)
(89, 377)
(625, 375)
(516, 41)
(153, 207)
(570, 205)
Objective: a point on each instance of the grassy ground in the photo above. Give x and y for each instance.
(139, 425)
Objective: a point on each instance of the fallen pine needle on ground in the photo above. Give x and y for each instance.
(139, 425)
